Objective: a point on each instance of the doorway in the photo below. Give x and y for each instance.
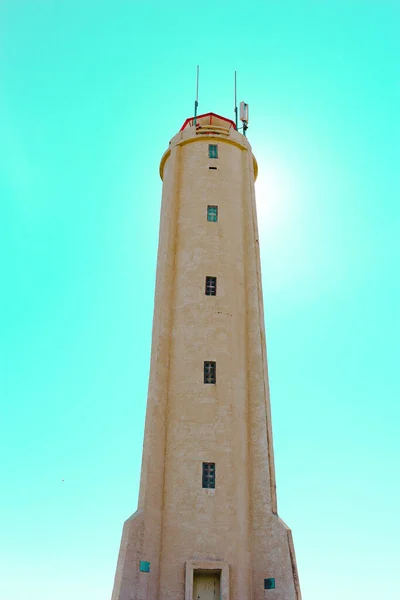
(206, 585)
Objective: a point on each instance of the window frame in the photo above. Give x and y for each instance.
(269, 583)
(211, 213)
(210, 372)
(212, 151)
(208, 476)
(210, 286)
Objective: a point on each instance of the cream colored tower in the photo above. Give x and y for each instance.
(207, 526)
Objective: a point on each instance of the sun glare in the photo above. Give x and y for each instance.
(273, 191)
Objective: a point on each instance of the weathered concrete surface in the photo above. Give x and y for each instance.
(188, 422)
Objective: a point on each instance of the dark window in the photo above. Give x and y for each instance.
(209, 475)
(213, 168)
(212, 151)
(210, 371)
(269, 584)
(211, 286)
(212, 213)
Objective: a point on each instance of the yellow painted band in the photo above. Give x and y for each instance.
(208, 137)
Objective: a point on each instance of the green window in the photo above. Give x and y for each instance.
(269, 584)
(212, 151)
(212, 213)
(144, 566)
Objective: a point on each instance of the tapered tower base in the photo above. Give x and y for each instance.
(280, 570)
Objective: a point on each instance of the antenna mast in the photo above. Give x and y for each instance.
(196, 102)
(236, 110)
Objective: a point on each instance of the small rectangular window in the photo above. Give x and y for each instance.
(210, 371)
(211, 286)
(212, 151)
(213, 168)
(209, 475)
(212, 213)
(144, 566)
(269, 584)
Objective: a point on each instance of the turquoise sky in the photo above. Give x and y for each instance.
(91, 91)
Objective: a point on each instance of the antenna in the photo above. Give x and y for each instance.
(196, 102)
(244, 116)
(236, 110)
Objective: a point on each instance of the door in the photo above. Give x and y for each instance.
(206, 587)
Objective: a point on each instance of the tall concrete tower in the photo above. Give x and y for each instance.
(207, 526)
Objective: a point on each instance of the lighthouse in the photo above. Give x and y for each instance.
(207, 525)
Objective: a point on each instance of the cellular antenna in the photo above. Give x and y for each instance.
(196, 102)
(244, 116)
(236, 110)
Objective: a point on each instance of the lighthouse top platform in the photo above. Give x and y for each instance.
(209, 119)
